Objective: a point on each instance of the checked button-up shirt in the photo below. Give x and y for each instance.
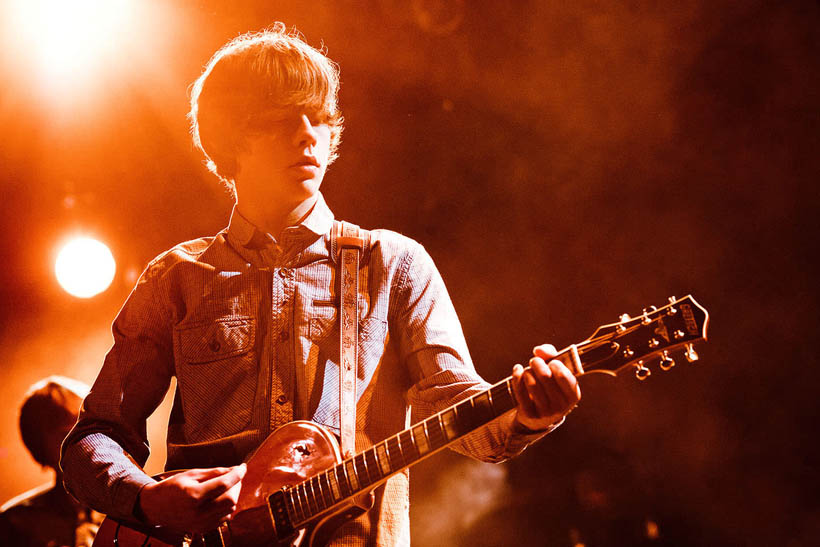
(247, 325)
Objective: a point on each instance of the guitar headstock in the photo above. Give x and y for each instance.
(634, 341)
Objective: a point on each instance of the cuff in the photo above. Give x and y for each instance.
(129, 492)
(519, 437)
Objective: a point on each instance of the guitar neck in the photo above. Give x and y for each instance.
(373, 466)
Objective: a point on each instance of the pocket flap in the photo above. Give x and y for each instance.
(218, 340)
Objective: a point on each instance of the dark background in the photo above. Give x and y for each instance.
(563, 163)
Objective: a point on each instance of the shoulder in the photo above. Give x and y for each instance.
(390, 243)
(45, 515)
(396, 251)
(34, 498)
(405, 257)
(185, 252)
(205, 255)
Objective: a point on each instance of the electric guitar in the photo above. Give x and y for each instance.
(298, 488)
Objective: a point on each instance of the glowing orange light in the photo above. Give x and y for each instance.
(69, 36)
(85, 267)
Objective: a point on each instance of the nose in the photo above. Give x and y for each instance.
(305, 134)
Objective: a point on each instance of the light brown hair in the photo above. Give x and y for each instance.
(252, 74)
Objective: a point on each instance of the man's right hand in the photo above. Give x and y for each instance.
(197, 500)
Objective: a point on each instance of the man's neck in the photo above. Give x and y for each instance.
(274, 220)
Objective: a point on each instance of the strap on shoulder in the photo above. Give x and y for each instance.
(347, 245)
(347, 235)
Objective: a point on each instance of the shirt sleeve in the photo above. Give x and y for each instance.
(432, 345)
(103, 455)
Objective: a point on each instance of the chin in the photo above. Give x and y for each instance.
(309, 186)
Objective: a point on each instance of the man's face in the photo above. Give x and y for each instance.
(285, 157)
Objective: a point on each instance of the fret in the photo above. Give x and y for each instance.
(503, 399)
(295, 512)
(344, 484)
(483, 407)
(465, 417)
(350, 471)
(311, 499)
(301, 494)
(435, 433)
(312, 496)
(361, 467)
(316, 486)
(372, 465)
(448, 423)
(303, 497)
(420, 436)
(384, 459)
(394, 453)
(327, 493)
(334, 484)
(408, 447)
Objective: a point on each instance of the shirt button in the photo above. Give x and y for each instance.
(283, 336)
(285, 273)
(214, 345)
(282, 399)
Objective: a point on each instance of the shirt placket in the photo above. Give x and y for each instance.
(283, 386)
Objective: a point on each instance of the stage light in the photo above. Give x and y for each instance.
(85, 267)
(68, 37)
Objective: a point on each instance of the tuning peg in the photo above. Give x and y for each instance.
(666, 361)
(672, 309)
(690, 353)
(642, 372)
(623, 318)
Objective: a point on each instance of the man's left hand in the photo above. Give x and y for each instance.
(545, 392)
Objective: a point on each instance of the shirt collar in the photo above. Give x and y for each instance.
(320, 219)
(245, 233)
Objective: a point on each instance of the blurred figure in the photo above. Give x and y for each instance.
(47, 515)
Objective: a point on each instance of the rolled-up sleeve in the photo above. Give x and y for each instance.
(432, 344)
(103, 455)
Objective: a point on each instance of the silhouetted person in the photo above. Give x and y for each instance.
(48, 515)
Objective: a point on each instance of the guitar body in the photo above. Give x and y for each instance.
(291, 454)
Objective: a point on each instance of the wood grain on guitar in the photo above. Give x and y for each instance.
(298, 488)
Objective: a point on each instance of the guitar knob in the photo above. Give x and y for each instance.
(641, 372)
(690, 353)
(624, 317)
(666, 361)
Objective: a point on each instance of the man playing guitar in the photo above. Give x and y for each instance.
(247, 321)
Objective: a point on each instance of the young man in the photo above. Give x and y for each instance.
(246, 320)
(47, 515)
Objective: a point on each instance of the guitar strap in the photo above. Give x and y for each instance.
(347, 245)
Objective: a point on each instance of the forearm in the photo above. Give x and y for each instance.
(496, 441)
(101, 474)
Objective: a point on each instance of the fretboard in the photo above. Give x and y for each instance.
(362, 472)
(367, 469)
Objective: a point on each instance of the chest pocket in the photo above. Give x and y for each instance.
(217, 376)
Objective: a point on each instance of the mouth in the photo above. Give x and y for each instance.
(306, 161)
